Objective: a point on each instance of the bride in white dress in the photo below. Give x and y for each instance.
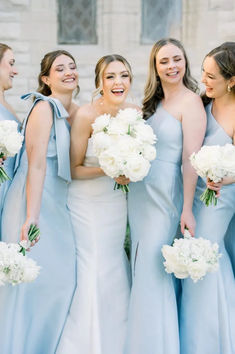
(97, 320)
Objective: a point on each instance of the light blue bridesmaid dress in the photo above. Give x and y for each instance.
(32, 316)
(207, 318)
(8, 163)
(155, 206)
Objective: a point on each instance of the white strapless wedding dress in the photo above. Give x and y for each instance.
(97, 320)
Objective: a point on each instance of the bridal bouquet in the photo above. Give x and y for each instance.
(10, 143)
(191, 257)
(124, 145)
(214, 162)
(15, 267)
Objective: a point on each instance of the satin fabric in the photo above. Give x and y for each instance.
(154, 207)
(207, 317)
(9, 162)
(98, 315)
(32, 316)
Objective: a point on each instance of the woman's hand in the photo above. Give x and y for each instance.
(123, 180)
(214, 186)
(188, 221)
(2, 159)
(25, 231)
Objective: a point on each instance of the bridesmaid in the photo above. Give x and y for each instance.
(98, 315)
(207, 319)
(7, 73)
(32, 315)
(162, 199)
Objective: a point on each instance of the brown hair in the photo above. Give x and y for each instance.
(3, 49)
(153, 92)
(224, 56)
(46, 64)
(102, 65)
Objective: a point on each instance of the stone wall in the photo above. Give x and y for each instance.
(30, 28)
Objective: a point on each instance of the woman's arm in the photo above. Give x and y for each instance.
(37, 137)
(80, 132)
(194, 127)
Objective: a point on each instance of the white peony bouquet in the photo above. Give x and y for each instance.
(15, 267)
(214, 162)
(124, 145)
(191, 257)
(10, 143)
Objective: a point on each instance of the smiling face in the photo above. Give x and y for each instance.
(216, 85)
(116, 82)
(63, 75)
(7, 70)
(170, 64)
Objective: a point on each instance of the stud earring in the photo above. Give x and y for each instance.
(229, 89)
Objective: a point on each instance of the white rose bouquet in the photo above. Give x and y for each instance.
(191, 257)
(214, 162)
(124, 145)
(10, 143)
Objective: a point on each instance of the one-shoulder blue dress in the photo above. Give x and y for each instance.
(32, 316)
(207, 316)
(154, 207)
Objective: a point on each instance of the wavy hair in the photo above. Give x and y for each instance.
(102, 65)
(3, 49)
(224, 56)
(153, 92)
(46, 64)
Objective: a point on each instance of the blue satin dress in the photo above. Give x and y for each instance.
(155, 206)
(32, 316)
(207, 318)
(9, 162)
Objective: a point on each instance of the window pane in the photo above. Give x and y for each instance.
(160, 18)
(77, 22)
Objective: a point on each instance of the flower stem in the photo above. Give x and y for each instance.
(123, 187)
(32, 235)
(208, 197)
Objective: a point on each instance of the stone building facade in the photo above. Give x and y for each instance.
(32, 28)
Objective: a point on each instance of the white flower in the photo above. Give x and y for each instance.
(191, 257)
(101, 123)
(123, 144)
(10, 139)
(14, 267)
(101, 141)
(130, 116)
(110, 162)
(25, 244)
(136, 167)
(149, 152)
(215, 162)
(144, 133)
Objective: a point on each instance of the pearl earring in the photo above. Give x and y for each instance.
(229, 89)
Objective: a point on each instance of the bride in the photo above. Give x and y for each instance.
(98, 315)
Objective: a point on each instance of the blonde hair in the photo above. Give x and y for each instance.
(102, 65)
(153, 92)
(3, 49)
(46, 64)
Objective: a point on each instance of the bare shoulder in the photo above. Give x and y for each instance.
(192, 106)
(192, 99)
(42, 111)
(83, 119)
(86, 111)
(42, 107)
